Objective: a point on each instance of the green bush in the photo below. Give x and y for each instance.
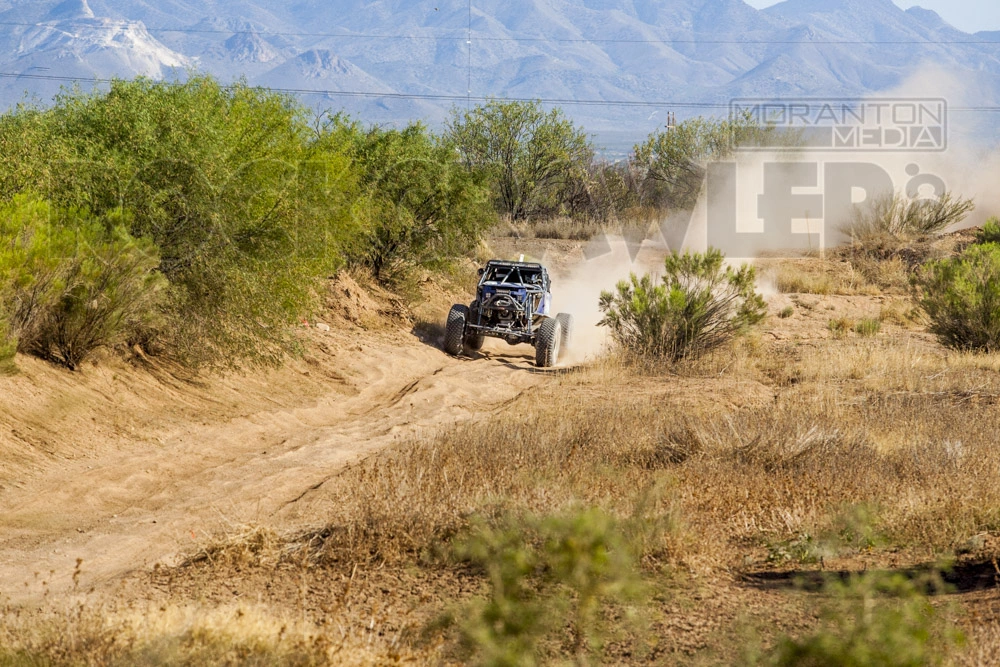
(698, 305)
(531, 158)
(249, 203)
(8, 347)
(73, 282)
(425, 206)
(990, 231)
(672, 161)
(961, 295)
(873, 619)
(212, 175)
(505, 628)
(545, 573)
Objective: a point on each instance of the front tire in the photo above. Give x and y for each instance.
(547, 343)
(454, 333)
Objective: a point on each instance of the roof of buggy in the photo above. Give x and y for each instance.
(519, 265)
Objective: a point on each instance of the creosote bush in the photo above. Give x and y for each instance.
(247, 203)
(897, 216)
(531, 158)
(874, 619)
(543, 572)
(961, 296)
(697, 305)
(73, 282)
(990, 231)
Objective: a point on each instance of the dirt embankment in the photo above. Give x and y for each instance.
(128, 464)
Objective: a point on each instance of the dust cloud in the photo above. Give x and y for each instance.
(577, 288)
(967, 167)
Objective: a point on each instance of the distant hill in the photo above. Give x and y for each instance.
(648, 57)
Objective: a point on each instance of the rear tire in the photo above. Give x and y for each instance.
(472, 341)
(454, 333)
(566, 322)
(475, 343)
(547, 343)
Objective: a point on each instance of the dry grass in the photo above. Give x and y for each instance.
(811, 276)
(634, 224)
(552, 228)
(237, 634)
(887, 263)
(856, 452)
(984, 646)
(736, 467)
(791, 282)
(903, 313)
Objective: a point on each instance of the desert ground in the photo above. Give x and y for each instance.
(310, 514)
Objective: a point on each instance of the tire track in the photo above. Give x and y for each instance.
(122, 510)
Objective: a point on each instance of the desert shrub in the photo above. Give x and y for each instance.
(610, 192)
(697, 305)
(221, 178)
(892, 235)
(899, 217)
(424, 205)
(544, 573)
(990, 231)
(874, 619)
(74, 282)
(505, 628)
(531, 158)
(249, 202)
(8, 347)
(786, 312)
(961, 296)
(672, 161)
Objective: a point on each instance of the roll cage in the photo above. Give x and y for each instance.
(520, 290)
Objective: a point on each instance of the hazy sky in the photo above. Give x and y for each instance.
(967, 15)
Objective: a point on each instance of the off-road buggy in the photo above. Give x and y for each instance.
(512, 302)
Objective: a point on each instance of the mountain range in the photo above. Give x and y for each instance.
(616, 66)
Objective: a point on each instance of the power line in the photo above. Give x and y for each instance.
(468, 44)
(458, 98)
(553, 40)
(406, 96)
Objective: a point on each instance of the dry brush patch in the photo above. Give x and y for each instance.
(96, 633)
(812, 275)
(852, 453)
(880, 453)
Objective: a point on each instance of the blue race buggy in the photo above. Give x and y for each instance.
(513, 301)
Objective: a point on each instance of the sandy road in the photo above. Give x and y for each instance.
(119, 509)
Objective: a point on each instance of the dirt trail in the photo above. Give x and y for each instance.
(119, 508)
